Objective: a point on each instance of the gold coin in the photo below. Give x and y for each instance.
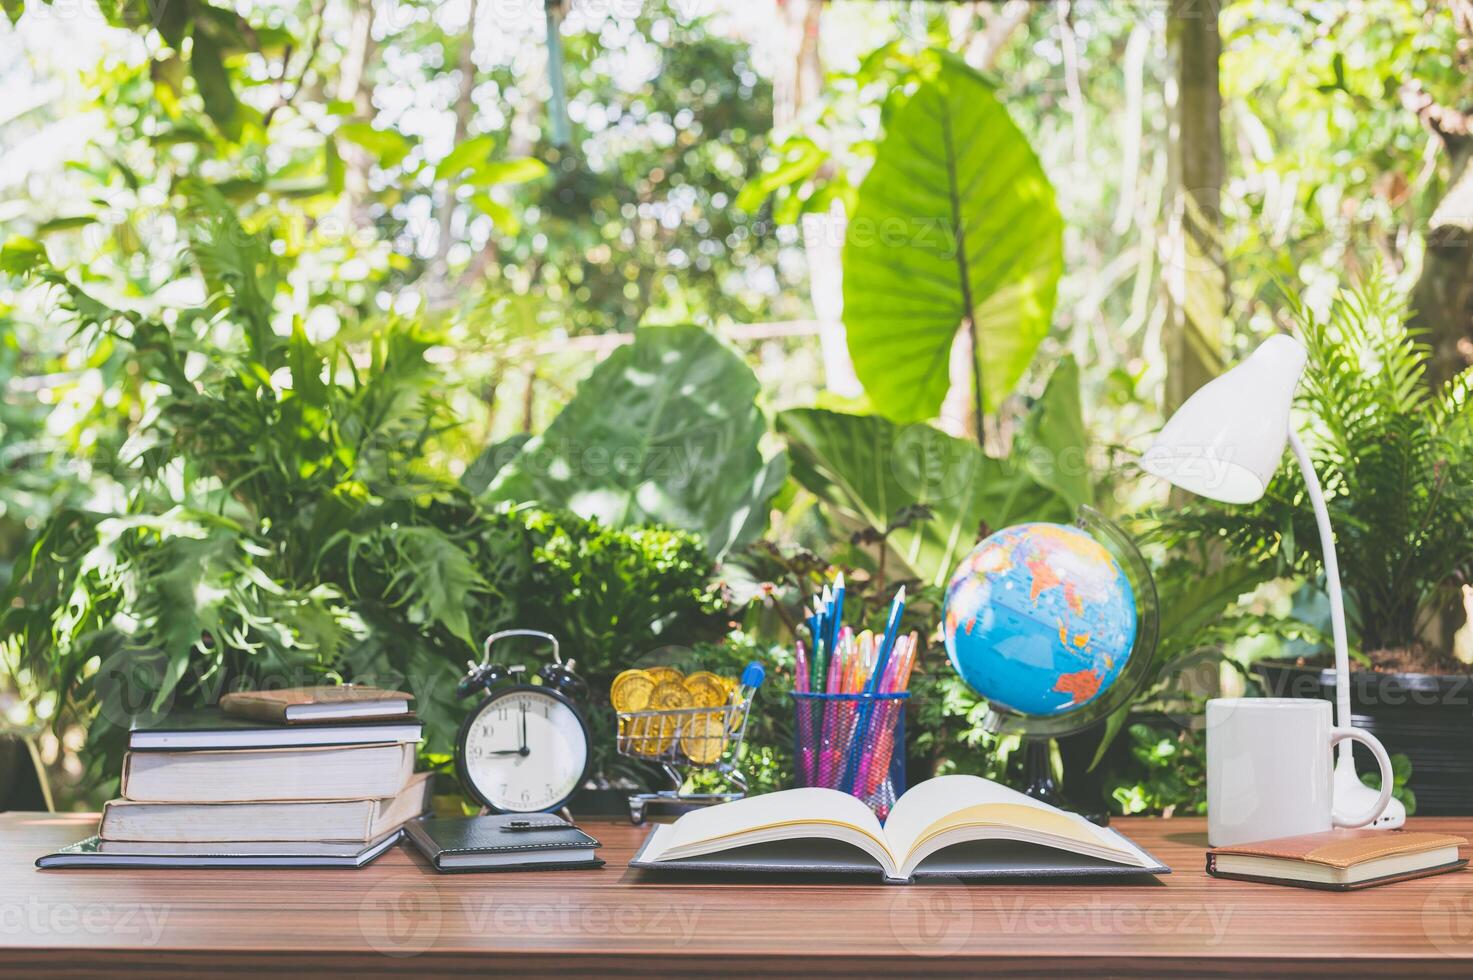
(664, 674)
(706, 675)
(670, 694)
(646, 735)
(704, 739)
(631, 690)
(707, 693)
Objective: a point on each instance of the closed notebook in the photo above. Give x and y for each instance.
(94, 852)
(300, 705)
(950, 827)
(338, 820)
(1340, 860)
(502, 842)
(257, 775)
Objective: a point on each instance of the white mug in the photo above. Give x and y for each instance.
(1270, 771)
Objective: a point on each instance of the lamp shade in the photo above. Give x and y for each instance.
(1225, 442)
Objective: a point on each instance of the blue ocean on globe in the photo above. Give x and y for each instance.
(1039, 619)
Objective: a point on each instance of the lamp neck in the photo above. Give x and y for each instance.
(1332, 586)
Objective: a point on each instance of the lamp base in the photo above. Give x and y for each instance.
(1354, 797)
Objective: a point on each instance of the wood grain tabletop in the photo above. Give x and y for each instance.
(399, 916)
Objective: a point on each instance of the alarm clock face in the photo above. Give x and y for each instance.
(524, 750)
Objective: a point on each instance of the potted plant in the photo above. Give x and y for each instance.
(1396, 458)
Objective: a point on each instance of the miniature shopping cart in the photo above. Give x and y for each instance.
(681, 740)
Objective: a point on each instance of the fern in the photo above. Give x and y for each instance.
(1395, 457)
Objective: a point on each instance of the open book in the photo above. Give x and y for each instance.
(951, 826)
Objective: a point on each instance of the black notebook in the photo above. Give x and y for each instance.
(210, 728)
(503, 842)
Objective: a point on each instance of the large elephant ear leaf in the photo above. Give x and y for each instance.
(664, 431)
(1053, 443)
(868, 470)
(956, 227)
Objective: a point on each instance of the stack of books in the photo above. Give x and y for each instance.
(313, 777)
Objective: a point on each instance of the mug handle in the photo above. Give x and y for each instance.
(1338, 735)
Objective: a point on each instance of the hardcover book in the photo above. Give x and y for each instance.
(335, 820)
(949, 827)
(210, 728)
(1341, 860)
(94, 852)
(340, 702)
(321, 772)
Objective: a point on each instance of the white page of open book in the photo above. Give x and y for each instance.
(952, 809)
(787, 815)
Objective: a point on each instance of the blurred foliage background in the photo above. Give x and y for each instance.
(300, 298)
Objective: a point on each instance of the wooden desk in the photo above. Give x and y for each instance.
(399, 916)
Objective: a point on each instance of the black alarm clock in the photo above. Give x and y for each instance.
(525, 747)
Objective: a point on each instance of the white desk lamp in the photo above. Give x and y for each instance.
(1225, 443)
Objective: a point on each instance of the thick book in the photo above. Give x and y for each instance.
(337, 820)
(502, 842)
(321, 772)
(315, 705)
(210, 728)
(962, 827)
(94, 852)
(1340, 860)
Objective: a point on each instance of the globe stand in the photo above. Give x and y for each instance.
(1039, 771)
(1056, 721)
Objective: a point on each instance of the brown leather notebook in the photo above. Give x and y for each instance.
(1340, 860)
(299, 705)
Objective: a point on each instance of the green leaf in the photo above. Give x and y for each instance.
(207, 64)
(483, 469)
(1200, 599)
(468, 154)
(234, 263)
(388, 145)
(801, 158)
(666, 431)
(501, 216)
(956, 222)
(20, 256)
(517, 171)
(1113, 725)
(868, 469)
(13, 9)
(1054, 443)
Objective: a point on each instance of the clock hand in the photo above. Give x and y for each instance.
(524, 750)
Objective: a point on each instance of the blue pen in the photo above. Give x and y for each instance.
(838, 618)
(861, 727)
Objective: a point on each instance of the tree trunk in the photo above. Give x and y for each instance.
(1443, 296)
(437, 277)
(798, 83)
(1193, 266)
(355, 87)
(1442, 300)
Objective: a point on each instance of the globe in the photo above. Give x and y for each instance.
(1040, 619)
